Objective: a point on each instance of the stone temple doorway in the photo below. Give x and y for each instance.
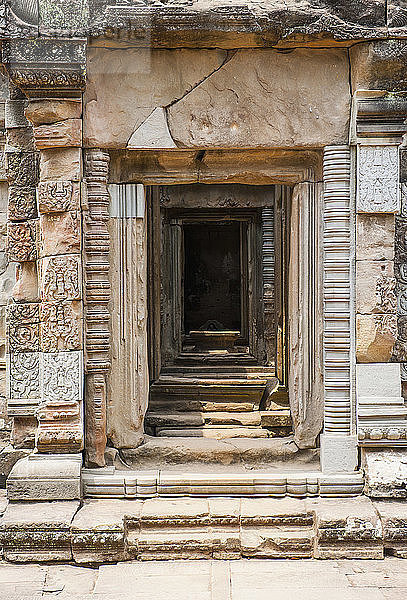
(218, 260)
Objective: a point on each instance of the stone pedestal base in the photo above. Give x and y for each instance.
(46, 477)
(339, 453)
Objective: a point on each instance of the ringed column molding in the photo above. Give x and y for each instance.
(338, 441)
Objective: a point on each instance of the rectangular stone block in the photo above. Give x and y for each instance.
(63, 163)
(375, 237)
(378, 178)
(60, 233)
(348, 528)
(385, 472)
(58, 196)
(52, 110)
(45, 477)
(393, 516)
(14, 114)
(375, 287)
(22, 168)
(61, 326)
(375, 337)
(22, 241)
(60, 278)
(65, 134)
(41, 533)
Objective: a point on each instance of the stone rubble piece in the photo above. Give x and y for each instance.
(393, 515)
(45, 477)
(40, 533)
(347, 529)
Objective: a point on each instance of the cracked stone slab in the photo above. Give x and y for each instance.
(393, 515)
(38, 532)
(153, 133)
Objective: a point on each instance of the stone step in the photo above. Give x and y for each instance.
(217, 433)
(188, 405)
(272, 418)
(222, 370)
(188, 452)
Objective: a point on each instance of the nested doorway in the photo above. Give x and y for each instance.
(218, 257)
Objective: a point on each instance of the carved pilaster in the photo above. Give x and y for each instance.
(267, 218)
(338, 444)
(97, 296)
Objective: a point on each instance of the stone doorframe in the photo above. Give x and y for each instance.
(302, 171)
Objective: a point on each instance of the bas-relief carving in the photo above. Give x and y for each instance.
(24, 384)
(60, 326)
(22, 168)
(61, 379)
(385, 294)
(58, 196)
(21, 241)
(23, 327)
(60, 278)
(22, 203)
(378, 179)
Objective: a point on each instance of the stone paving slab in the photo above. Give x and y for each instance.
(245, 579)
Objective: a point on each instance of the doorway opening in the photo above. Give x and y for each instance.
(217, 312)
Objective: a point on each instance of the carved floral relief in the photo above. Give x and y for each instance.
(21, 241)
(60, 326)
(61, 379)
(25, 376)
(23, 327)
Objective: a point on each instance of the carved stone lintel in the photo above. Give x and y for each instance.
(22, 241)
(61, 278)
(58, 196)
(97, 293)
(378, 179)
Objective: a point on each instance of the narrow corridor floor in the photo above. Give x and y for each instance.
(209, 580)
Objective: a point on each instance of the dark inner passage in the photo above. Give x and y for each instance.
(212, 276)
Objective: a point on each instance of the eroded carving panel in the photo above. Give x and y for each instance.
(23, 327)
(60, 326)
(58, 196)
(22, 203)
(378, 179)
(24, 378)
(60, 278)
(21, 240)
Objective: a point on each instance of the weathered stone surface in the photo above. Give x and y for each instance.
(58, 196)
(379, 65)
(375, 287)
(21, 241)
(39, 534)
(22, 168)
(98, 530)
(385, 472)
(393, 516)
(43, 111)
(153, 132)
(375, 337)
(61, 326)
(24, 431)
(14, 114)
(8, 458)
(62, 163)
(241, 103)
(26, 286)
(60, 233)
(22, 202)
(20, 139)
(65, 134)
(45, 477)
(60, 278)
(138, 81)
(23, 327)
(347, 529)
(375, 237)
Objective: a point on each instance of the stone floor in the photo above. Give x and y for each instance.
(209, 580)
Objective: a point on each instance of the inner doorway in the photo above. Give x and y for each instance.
(217, 311)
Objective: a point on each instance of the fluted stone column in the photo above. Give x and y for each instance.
(338, 442)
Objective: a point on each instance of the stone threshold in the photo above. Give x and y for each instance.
(110, 482)
(102, 531)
